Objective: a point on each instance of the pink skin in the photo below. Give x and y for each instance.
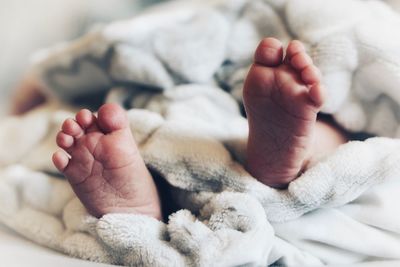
(105, 168)
(282, 96)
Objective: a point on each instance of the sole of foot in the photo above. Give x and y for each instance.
(282, 96)
(101, 161)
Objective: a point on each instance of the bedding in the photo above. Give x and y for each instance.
(179, 69)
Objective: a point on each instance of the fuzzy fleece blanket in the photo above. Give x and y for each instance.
(179, 69)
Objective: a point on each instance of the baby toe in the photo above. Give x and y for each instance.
(311, 75)
(60, 160)
(71, 127)
(294, 48)
(300, 61)
(112, 117)
(64, 141)
(269, 52)
(317, 94)
(85, 118)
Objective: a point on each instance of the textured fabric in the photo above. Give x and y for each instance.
(354, 43)
(168, 67)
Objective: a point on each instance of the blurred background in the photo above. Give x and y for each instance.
(27, 26)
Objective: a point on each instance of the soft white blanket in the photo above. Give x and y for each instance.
(173, 62)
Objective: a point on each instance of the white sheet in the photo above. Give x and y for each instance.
(16, 251)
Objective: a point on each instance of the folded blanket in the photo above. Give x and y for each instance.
(172, 63)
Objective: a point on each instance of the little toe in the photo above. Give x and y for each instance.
(311, 75)
(269, 52)
(317, 94)
(300, 61)
(60, 160)
(72, 128)
(112, 117)
(64, 141)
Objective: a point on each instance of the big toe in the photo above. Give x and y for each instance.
(269, 52)
(112, 117)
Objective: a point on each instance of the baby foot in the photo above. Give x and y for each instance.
(105, 168)
(282, 99)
